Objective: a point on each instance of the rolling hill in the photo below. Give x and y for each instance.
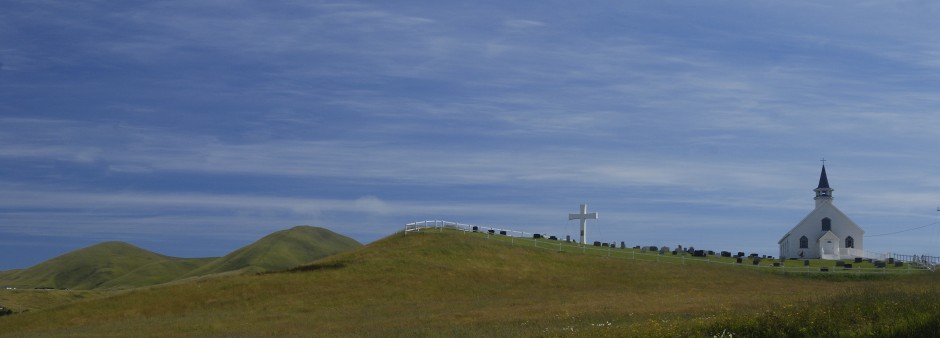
(279, 251)
(457, 284)
(102, 265)
(113, 265)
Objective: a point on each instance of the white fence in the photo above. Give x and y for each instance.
(611, 250)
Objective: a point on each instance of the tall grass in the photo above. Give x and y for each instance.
(451, 284)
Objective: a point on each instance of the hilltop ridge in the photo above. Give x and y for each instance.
(122, 265)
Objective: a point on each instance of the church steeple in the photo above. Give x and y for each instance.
(823, 191)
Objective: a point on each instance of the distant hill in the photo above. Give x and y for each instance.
(109, 264)
(113, 265)
(281, 250)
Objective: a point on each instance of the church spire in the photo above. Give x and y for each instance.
(823, 191)
(823, 180)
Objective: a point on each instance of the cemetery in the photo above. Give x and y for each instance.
(690, 255)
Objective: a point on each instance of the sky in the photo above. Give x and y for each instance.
(192, 128)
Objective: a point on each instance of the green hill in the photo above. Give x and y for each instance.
(109, 264)
(280, 250)
(456, 284)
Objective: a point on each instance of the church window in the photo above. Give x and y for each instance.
(804, 242)
(826, 224)
(849, 242)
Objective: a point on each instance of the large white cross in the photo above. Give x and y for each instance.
(583, 216)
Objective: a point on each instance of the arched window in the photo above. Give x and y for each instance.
(849, 242)
(804, 242)
(826, 224)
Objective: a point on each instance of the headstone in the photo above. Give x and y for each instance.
(597, 243)
(840, 263)
(898, 263)
(879, 264)
(637, 247)
(491, 231)
(553, 238)
(675, 252)
(891, 260)
(623, 245)
(536, 236)
(805, 262)
(711, 253)
(739, 259)
(567, 238)
(869, 260)
(824, 269)
(754, 255)
(605, 245)
(502, 232)
(698, 253)
(726, 254)
(740, 254)
(653, 248)
(756, 260)
(858, 259)
(664, 250)
(776, 264)
(848, 265)
(476, 228)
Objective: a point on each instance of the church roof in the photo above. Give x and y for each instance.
(823, 180)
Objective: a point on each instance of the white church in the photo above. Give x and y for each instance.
(826, 233)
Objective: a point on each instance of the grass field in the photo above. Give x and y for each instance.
(454, 284)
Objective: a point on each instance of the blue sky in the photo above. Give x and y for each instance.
(192, 128)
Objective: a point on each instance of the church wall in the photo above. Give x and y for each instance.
(811, 227)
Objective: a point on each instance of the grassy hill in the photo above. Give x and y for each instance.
(280, 250)
(109, 264)
(456, 284)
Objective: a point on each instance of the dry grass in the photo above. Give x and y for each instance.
(444, 284)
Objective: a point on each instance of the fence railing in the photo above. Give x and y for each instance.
(522, 238)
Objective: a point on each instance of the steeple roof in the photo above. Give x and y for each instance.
(823, 180)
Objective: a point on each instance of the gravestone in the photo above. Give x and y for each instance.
(675, 252)
(567, 238)
(756, 260)
(491, 231)
(726, 254)
(536, 236)
(848, 265)
(553, 238)
(776, 264)
(739, 260)
(476, 228)
(858, 259)
(740, 254)
(653, 248)
(597, 243)
(698, 253)
(891, 260)
(503, 232)
(605, 245)
(623, 245)
(711, 253)
(664, 250)
(805, 262)
(880, 264)
(637, 247)
(824, 269)
(898, 263)
(840, 263)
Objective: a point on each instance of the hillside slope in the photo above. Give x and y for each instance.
(451, 284)
(280, 250)
(97, 266)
